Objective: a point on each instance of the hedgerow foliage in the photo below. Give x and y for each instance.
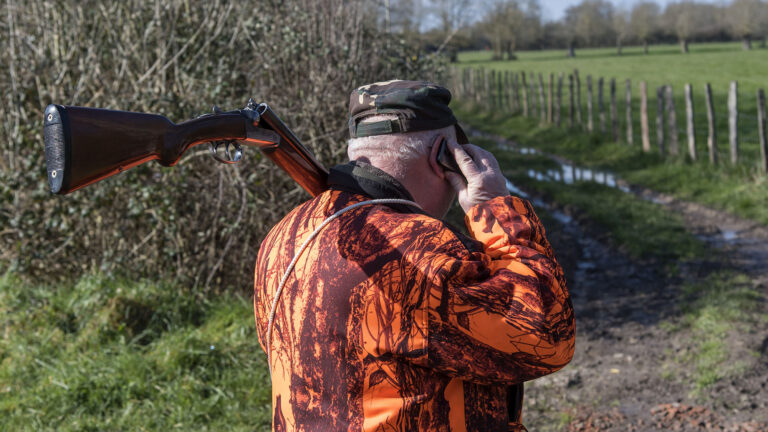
(200, 222)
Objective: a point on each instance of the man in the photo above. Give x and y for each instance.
(391, 320)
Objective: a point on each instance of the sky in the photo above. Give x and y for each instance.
(554, 9)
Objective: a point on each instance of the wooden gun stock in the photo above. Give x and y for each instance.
(85, 145)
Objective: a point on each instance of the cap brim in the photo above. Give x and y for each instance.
(461, 137)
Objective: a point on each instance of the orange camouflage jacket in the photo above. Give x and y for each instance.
(394, 321)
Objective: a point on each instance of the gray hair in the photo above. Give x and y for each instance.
(399, 148)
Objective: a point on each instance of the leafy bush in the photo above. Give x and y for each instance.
(200, 222)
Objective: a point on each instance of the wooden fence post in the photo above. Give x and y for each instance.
(504, 97)
(515, 105)
(578, 96)
(712, 135)
(671, 122)
(511, 93)
(470, 82)
(614, 113)
(559, 103)
(524, 88)
(761, 129)
(644, 129)
(690, 128)
(733, 121)
(542, 107)
(570, 101)
(660, 119)
(478, 85)
(492, 84)
(549, 97)
(601, 105)
(505, 90)
(499, 85)
(481, 74)
(467, 82)
(628, 102)
(532, 93)
(518, 102)
(590, 116)
(488, 87)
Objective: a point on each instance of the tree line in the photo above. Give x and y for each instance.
(505, 26)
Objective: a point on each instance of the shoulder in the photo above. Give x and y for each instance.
(420, 232)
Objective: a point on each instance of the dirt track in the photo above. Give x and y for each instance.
(626, 374)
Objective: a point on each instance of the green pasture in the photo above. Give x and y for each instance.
(714, 63)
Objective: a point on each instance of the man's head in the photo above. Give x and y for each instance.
(397, 126)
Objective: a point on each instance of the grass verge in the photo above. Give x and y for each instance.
(716, 311)
(116, 354)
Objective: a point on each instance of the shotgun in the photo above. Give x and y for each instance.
(85, 145)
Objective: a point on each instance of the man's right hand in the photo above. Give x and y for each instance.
(484, 180)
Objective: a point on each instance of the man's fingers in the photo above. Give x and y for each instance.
(466, 164)
(456, 181)
(481, 156)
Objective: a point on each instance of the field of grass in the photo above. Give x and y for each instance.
(107, 354)
(714, 63)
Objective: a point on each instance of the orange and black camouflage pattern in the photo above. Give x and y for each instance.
(394, 322)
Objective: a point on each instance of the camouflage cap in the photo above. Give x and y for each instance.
(418, 106)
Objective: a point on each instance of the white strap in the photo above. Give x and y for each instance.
(301, 250)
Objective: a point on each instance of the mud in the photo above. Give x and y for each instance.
(627, 374)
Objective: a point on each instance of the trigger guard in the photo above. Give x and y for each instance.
(214, 147)
(238, 151)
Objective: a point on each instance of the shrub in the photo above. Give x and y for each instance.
(200, 222)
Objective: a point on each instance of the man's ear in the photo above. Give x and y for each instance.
(436, 167)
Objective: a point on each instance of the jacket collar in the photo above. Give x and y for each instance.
(365, 179)
(362, 178)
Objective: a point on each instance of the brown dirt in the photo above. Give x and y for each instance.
(627, 373)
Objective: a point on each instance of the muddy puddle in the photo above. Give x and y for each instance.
(567, 172)
(570, 174)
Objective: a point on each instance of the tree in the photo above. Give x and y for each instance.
(590, 23)
(681, 17)
(643, 22)
(502, 25)
(621, 28)
(747, 19)
(454, 15)
(692, 20)
(400, 16)
(531, 28)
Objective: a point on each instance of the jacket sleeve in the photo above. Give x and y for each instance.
(502, 315)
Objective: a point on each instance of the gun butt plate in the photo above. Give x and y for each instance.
(56, 145)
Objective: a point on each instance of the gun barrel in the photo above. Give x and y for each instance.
(292, 156)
